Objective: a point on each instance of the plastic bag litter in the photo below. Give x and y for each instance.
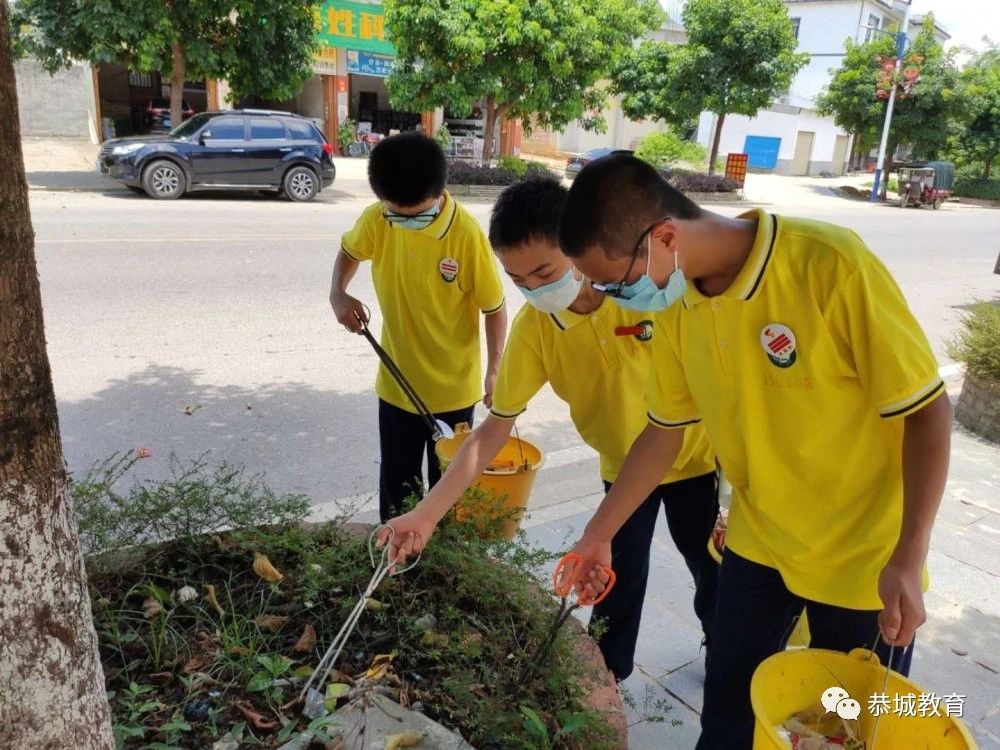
(816, 729)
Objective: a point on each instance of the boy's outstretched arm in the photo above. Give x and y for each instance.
(651, 455)
(926, 451)
(496, 334)
(347, 308)
(413, 530)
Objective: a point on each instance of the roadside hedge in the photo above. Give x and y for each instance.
(977, 187)
(699, 182)
(467, 173)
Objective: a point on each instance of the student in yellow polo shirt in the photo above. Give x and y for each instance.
(596, 357)
(791, 343)
(434, 275)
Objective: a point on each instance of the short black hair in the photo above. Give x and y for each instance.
(407, 169)
(613, 200)
(527, 210)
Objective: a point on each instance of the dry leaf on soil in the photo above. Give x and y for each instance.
(270, 623)
(264, 569)
(306, 641)
(254, 717)
(197, 663)
(380, 665)
(151, 608)
(210, 598)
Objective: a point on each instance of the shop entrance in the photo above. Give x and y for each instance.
(368, 106)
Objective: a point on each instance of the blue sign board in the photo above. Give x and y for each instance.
(368, 63)
(762, 151)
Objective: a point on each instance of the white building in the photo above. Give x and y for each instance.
(790, 137)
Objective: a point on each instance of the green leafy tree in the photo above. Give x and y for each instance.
(921, 114)
(977, 137)
(740, 56)
(921, 117)
(535, 60)
(260, 46)
(850, 98)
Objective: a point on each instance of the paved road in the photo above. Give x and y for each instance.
(151, 307)
(221, 304)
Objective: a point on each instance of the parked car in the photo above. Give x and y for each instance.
(158, 114)
(575, 163)
(237, 150)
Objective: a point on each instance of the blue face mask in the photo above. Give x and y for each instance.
(420, 221)
(554, 297)
(644, 296)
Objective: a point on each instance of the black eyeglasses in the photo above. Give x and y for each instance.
(615, 289)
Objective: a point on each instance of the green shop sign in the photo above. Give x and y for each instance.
(361, 26)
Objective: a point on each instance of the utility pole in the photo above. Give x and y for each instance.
(900, 49)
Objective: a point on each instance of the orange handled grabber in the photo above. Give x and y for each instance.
(563, 589)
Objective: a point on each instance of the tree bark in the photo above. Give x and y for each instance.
(489, 125)
(721, 118)
(887, 169)
(177, 85)
(987, 166)
(51, 683)
(856, 151)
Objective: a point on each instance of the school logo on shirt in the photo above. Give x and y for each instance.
(643, 330)
(779, 344)
(448, 267)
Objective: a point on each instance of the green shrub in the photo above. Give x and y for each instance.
(194, 500)
(976, 187)
(443, 137)
(978, 342)
(664, 149)
(699, 182)
(346, 133)
(522, 167)
(467, 173)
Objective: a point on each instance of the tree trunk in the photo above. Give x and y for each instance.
(887, 169)
(987, 166)
(177, 85)
(489, 125)
(721, 118)
(51, 684)
(856, 152)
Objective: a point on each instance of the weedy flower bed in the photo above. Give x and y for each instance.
(207, 639)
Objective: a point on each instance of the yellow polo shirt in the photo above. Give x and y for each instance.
(801, 373)
(599, 364)
(431, 285)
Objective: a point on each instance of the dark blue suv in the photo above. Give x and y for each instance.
(235, 150)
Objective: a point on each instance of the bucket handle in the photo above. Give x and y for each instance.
(865, 654)
(520, 448)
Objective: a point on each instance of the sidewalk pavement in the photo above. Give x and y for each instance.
(958, 649)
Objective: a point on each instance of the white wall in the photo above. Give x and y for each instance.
(775, 124)
(62, 104)
(309, 102)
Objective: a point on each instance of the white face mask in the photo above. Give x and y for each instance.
(554, 297)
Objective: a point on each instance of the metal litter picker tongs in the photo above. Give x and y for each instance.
(438, 428)
(312, 693)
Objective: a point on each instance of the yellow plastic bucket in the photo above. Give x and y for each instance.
(793, 681)
(800, 635)
(508, 479)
